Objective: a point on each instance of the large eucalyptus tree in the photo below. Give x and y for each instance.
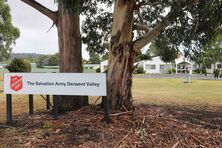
(171, 24)
(67, 21)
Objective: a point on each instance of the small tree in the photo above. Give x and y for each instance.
(19, 65)
(42, 61)
(139, 70)
(210, 54)
(171, 71)
(53, 60)
(8, 33)
(216, 73)
(94, 58)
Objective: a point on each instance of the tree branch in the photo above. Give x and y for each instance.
(152, 34)
(141, 27)
(47, 12)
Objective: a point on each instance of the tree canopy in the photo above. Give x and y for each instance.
(185, 24)
(8, 33)
(209, 54)
(94, 58)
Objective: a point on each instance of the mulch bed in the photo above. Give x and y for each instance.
(147, 126)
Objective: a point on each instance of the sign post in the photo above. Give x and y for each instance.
(47, 102)
(79, 84)
(55, 107)
(9, 108)
(106, 108)
(31, 108)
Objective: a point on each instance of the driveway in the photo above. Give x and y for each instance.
(179, 76)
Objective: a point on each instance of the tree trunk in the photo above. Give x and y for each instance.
(70, 55)
(121, 56)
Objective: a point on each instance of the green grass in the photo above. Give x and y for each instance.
(149, 91)
(175, 91)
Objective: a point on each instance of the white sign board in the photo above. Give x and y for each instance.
(55, 83)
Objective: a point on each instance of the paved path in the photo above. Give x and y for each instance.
(179, 76)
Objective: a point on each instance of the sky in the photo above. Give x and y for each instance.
(35, 36)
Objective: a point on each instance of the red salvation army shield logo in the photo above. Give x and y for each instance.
(16, 83)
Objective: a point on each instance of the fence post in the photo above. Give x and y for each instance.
(55, 107)
(31, 108)
(9, 108)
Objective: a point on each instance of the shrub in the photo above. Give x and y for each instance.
(19, 65)
(216, 73)
(42, 61)
(139, 70)
(197, 71)
(171, 70)
(204, 71)
(98, 70)
(105, 71)
(201, 71)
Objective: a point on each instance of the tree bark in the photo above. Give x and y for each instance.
(121, 56)
(70, 55)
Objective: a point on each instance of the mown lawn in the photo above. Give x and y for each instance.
(200, 93)
(175, 91)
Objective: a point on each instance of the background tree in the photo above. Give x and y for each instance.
(84, 61)
(8, 33)
(66, 18)
(136, 23)
(42, 61)
(53, 60)
(94, 58)
(105, 56)
(209, 54)
(31, 59)
(48, 60)
(19, 65)
(213, 52)
(143, 56)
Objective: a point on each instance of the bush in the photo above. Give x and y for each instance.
(105, 71)
(98, 70)
(42, 61)
(19, 65)
(171, 70)
(139, 70)
(197, 71)
(201, 71)
(216, 73)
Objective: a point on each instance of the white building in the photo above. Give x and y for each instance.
(157, 66)
(91, 66)
(217, 65)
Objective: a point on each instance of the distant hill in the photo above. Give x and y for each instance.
(25, 55)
